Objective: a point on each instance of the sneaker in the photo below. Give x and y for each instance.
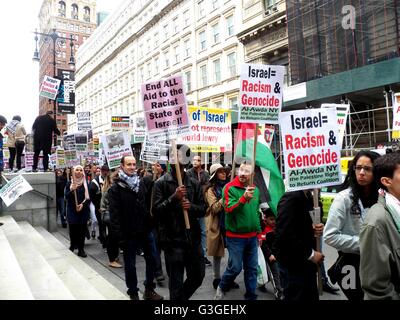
(150, 294)
(115, 264)
(219, 295)
(216, 283)
(207, 262)
(82, 253)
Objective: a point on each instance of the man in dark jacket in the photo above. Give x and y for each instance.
(61, 181)
(294, 246)
(43, 129)
(182, 248)
(130, 225)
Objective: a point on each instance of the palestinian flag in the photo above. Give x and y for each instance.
(267, 175)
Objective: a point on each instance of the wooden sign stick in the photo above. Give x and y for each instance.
(317, 219)
(179, 177)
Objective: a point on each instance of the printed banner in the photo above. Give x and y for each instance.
(116, 145)
(311, 148)
(210, 130)
(69, 142)
(60, 158)
(260, 99)
(49, 88)
(14, 188)
(138, 126)
(342, 111)
(83, 121)
(28, 160)
(81, 141)
(153, 151)
(165, 108)
(66, 95)
(119, 123)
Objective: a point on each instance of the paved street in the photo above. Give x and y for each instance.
(98, 260)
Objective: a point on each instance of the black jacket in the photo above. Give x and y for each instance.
(294, 234)
(95, 192)
(128, 213)
(169, 214)
(60, 186)
(43, 129)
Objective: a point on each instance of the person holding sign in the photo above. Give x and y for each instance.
(182, 246)
(346, 214)
(295, 240)
(380, 235)
(242, 222)
(77, 195)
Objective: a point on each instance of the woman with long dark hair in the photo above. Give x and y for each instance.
(347, 212)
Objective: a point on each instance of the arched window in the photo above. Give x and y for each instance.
(74, 11)
(86, 14)
(61, 9)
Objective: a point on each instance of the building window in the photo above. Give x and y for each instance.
(74, 11)
(215, 30)
(232, 64)
(86, 14)
(269, 4)
(215, 4)
(218, 104)
(186, 18)
(202, 38)
(149, 70)
(203, 75)
(148, 45)
(233, 103)
(217, 70)
(166, 59)
(175, 25)
(176, 54)
(141, 51)
(156, 40)
(166, 32)
(186, 45)
(141, 75)
(230, 26)
(188, 81)
(156, 65)
(61, 9)
(201, 9)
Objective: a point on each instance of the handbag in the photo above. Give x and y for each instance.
(106, 217)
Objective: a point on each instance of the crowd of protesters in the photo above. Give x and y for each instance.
(148, 211)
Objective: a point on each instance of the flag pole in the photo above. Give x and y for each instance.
(253, 165)
(179, 177)
(316, 220)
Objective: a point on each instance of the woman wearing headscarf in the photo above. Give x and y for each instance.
(15, 141)
(78, 211)
(346, 214)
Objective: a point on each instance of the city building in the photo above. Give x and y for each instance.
(76, 17)
(100, 17)
(346, 53)
(150, 40)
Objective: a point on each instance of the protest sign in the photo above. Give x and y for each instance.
(60, 158)
(311, 148)
(14, 188)
(165, 108)
(28, 160)
(153, 151)
(81, 141)
(342, 111)
(83, 121)
(69, 142)
(71, 158)
(66, 95)
(49, 88)
(396, 112)
(260, 98)
(138, 126)
(119, 123)
(116, 145)
(210, 130)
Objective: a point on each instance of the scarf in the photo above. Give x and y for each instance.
(220, 184)
(393, 205)
(80, 181)
(132, 181)
(12, 126)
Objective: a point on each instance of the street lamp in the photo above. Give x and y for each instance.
(54, 37)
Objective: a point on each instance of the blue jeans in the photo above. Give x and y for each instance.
(242, 252)
(61, 209)
(130, 249)
(203, 235)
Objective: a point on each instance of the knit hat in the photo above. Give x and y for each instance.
(3, 120)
